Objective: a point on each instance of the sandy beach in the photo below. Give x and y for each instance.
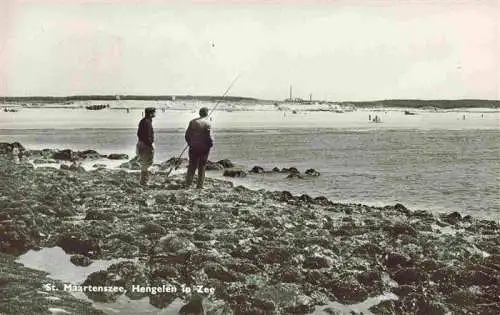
(239, 251)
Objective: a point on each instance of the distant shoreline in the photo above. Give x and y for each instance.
(404, 103)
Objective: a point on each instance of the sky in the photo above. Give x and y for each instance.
(334, 50)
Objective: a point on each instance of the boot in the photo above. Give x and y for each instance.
(144, 178)
(189, 176)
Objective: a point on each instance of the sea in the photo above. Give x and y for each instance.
(435, 160)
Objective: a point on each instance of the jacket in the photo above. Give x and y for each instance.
(198, 134)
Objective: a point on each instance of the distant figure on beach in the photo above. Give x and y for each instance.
(145, 147)
(200, 142)
(463, 117)
(482, 115)
(370, 117)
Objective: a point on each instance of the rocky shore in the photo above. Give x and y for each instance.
(250, 252)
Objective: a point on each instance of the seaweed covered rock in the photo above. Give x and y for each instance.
(117, 156)
(226, 163)
(256, 170)
(234, 172)
(312, 172)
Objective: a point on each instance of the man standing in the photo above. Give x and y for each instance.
(145, 148)
(200, 141)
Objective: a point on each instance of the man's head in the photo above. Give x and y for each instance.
(150, 112)
(203, 112)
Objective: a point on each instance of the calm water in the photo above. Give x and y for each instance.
(434, 161)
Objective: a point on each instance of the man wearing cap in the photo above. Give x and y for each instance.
(145, 148)
(200, 141)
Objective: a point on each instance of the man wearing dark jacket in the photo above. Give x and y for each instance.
(145, 147)
(200, 141)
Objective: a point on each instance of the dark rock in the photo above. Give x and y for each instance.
(117, 156)
(400, 208)
(312, 172)
(445, 275)
(369, 277)
(316, 262)
(276, 255)
(266, 305)
(480, 278)
(88, 154)
(404, 290)
(285, 196)
(165, 271)
(276, 169)
(368, 249)
(348, 292)
(256, 170)
(426, 306)
(226, 163)
(244, 267)
(65, 155)
(80, 260)
(234, 172)
(194, 307)
(72, 244)
(384, 307)
(102, 278)
(394, 260)
(217, 271)
(400, 229)
(99, 166)
(8, 148)
(153, 228)
(429, 265)
(211, 166)
(299, 309)
(93, 214)
(306, 198)
(175, 244)
(75, 167)
(290, 275)
(15, 239)
(408, 276)
(452, 218)
(290, 170)
(322, 200)
(202, 236)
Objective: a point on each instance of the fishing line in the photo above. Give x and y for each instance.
(177, 161)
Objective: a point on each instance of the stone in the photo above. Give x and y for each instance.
(407, 276)
(256, 170)
(117, 156)
(211, 166)
(217, 271)
(175, 244)
(234, 172)
(394, 260)
(65, 155)
(316, 262)
(312, 172)
(226, 163)
(93, 214)
(193, 307)
(80, 260)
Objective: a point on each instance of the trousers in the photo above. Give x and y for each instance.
(198, 158)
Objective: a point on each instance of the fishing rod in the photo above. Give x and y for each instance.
(176, 165)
